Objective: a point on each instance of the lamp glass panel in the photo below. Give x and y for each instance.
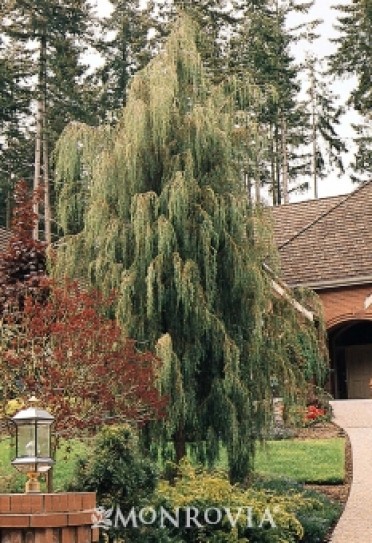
(26, 443)
(43, 438)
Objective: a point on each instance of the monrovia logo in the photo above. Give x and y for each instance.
(182, 517)
(101, 518)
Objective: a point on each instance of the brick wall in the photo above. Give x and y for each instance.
(345, 303)
(47, 518)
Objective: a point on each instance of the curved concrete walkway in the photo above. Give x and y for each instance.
(355, 524)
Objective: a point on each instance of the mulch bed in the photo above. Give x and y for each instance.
(338, 493)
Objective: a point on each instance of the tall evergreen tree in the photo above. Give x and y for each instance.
(125, 45)
(168, 226)
(261, 48)
(15, 133)
(354, 50)
(45, 26)
(362, 162)
(353, 58)
(327, 146)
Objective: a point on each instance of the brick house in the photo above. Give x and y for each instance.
(326, 245)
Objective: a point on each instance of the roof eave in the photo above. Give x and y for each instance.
(334, 283)
(281, 288)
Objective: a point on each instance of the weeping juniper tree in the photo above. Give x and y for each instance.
(166, 223)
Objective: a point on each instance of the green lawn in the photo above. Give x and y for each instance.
(320, 461)
(306, 461)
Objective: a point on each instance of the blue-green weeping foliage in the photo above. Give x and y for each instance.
(167, 224)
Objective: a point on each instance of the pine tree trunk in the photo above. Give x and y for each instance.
(277, 154)
(39, 130)
(313, 133)
(47, 210)
(285, 190)
(37, 170)
(314, 167)
(272, 168)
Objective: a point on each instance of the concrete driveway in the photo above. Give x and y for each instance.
(355, 524)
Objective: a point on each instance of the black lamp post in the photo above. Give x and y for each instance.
(33, 444)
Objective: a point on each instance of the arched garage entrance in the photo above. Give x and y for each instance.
(350, 346)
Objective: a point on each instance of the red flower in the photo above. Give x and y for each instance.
(314, 412)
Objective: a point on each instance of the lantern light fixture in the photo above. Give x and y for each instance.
(33, 443)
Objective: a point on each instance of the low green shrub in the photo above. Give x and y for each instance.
(256, 515)
(317, 518)
(267, 512)
(115, 469)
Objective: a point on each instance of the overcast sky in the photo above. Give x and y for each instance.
(322, 9)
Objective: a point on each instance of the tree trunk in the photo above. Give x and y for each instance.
(39, 129)
(37, 170)
(277, 155)
(257, 168)
(272, 167)
(180, 444)
(47, 210)
(285, 189)
(313, 132)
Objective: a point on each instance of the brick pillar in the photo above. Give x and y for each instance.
(47, 518)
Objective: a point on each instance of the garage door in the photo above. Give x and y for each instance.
(359, 371)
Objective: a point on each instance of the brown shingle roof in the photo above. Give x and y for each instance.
(326, 242)
(290, 219)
